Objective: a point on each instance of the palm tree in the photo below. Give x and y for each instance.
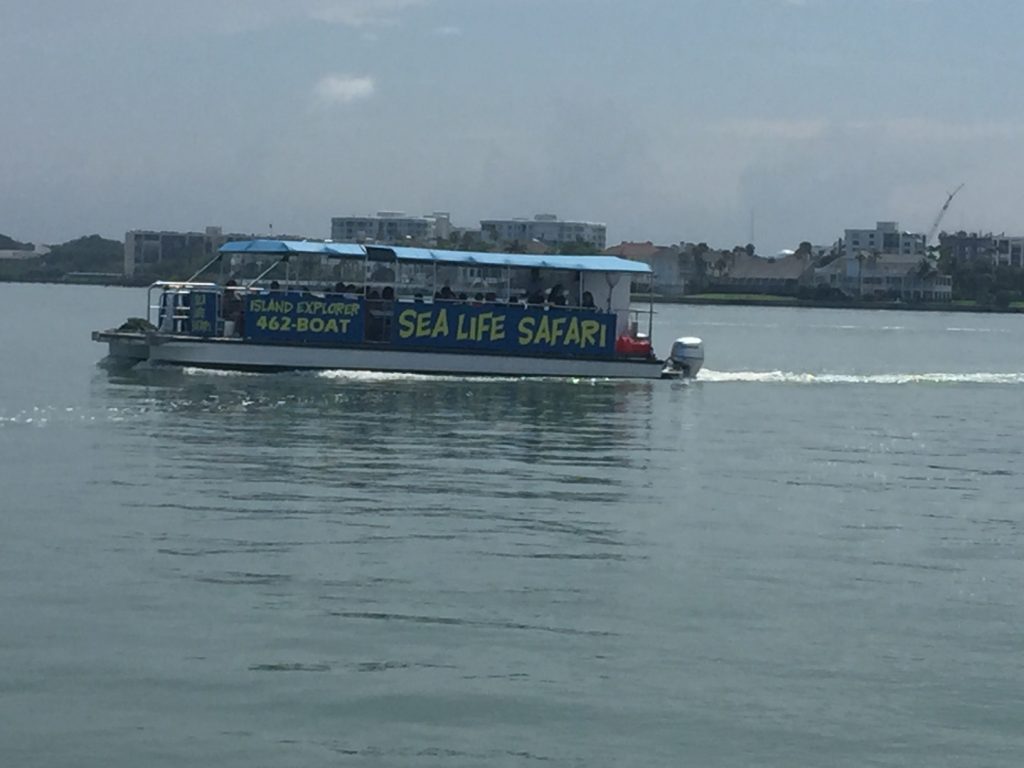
(871, 257)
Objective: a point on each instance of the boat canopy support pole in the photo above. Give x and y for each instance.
(265, 272)
(205, 267)
(650, 308)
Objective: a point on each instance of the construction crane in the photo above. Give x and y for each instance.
(942, 212)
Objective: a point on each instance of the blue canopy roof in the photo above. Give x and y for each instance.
(293, 246)
(474, 258)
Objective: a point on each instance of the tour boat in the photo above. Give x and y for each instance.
(327, 305)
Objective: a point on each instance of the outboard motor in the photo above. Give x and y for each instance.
(687, 355)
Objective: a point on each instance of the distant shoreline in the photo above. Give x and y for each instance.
(105, 282)
(791, 302)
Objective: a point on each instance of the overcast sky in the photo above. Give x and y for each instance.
(667, 119)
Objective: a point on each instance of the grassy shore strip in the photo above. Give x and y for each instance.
(770, 300)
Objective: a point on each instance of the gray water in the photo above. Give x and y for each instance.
(810, 556)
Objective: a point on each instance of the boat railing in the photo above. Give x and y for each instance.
(170, 307)
(168, 303)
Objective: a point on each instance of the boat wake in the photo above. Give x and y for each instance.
(372, 377)
(789, 377)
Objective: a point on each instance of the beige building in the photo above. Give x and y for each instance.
(910, 277)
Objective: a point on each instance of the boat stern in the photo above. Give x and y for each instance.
(687, 357)
(124, 347)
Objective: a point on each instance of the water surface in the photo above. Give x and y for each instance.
(809, 556)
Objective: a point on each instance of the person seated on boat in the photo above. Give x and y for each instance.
(478, 299)
(588, 301)
(535, 284)
(535, 297)
(382, 274)
(446, 293)
(274, 285)
(388, 293)
(339, 287)
(491, 297)
(463, 297)
(556, 296)
(373, 295)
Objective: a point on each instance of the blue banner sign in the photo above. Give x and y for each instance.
(203, 310)
(304, 318)
(508, 329)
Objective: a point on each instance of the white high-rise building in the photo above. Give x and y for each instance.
(886, 237)
(546, 228)
(391, 227)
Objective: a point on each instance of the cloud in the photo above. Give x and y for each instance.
(774, 129)
(332, 90)
(203, 17)
(448, 30)
(359, 13)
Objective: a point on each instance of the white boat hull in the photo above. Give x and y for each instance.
(243, 355)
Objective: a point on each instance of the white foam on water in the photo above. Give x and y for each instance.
(193, 371)
(384, 376)
(789, 377)
(956, 329)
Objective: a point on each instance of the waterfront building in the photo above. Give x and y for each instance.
(392, 228)
(20, 255)
(1008, 250)
(546, 228)
(671, 271)
(146, 247)
(781, 275)
(886, 237)
(909, 277)
(968, 247)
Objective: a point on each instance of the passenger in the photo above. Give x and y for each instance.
(556, 296)
(339, 287)
(478, 298)
(274, 285)
(373, 295)
(536, 297)
(535, 285)
(232, 306)
(491, 297)
(463, 297)
(446, 293)
(388, 294)
(588, 300)
(382, 274)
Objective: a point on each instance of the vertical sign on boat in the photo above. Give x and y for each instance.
(203, 310)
